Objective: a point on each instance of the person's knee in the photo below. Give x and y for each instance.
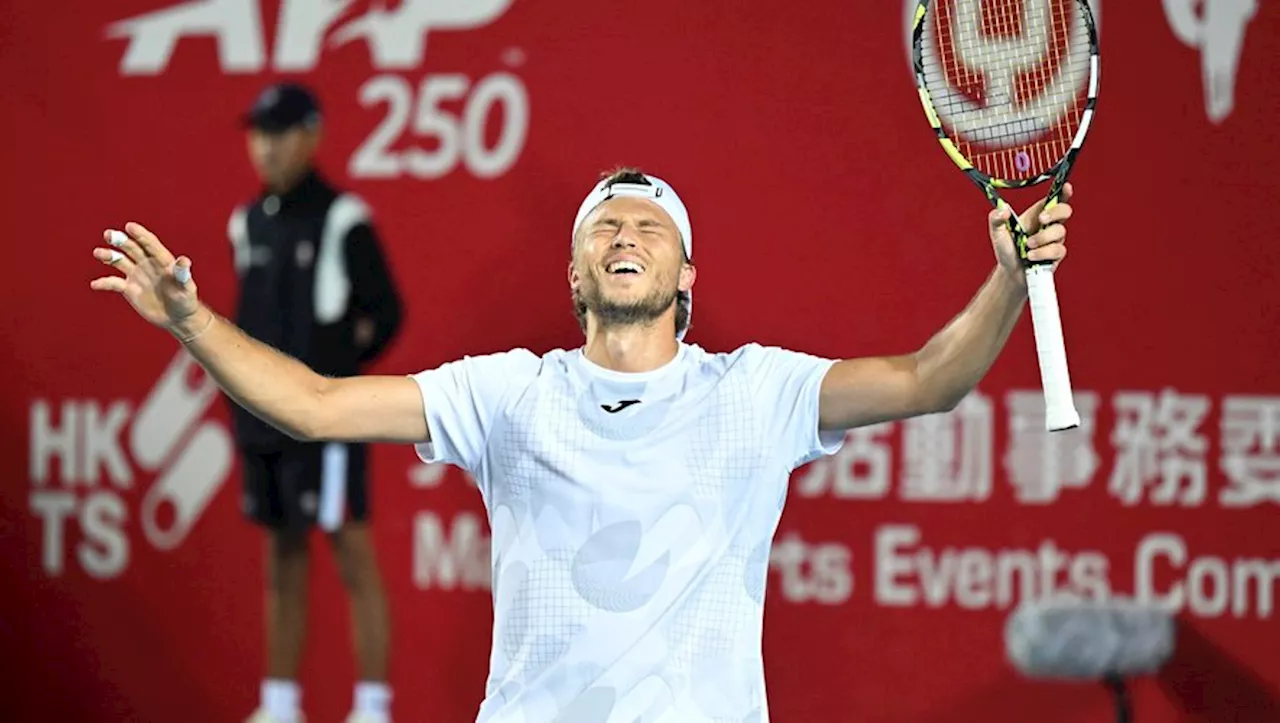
(288, 557)
(357, 563)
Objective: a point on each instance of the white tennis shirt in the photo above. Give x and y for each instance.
(632, 516)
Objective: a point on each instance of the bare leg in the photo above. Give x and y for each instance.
(370, 621)
(288, 558)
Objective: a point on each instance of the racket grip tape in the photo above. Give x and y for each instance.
(1059, 403)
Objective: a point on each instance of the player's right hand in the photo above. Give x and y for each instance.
(158, 286)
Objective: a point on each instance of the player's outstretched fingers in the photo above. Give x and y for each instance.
(115, 259)
(149, 242)
(120, 240)
(108, 283)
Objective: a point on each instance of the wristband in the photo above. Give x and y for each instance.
(193, 337)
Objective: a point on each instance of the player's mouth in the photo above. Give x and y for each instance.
(623, 268)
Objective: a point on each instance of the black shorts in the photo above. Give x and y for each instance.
(307, 484)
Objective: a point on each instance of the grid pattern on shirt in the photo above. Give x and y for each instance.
(537, 444)
(545, 614)
(726, 449)
(560, 427)
(515, 468)
(712, 620)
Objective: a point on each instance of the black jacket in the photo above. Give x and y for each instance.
(310, 265)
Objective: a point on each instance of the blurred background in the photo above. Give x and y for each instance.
(828, 221)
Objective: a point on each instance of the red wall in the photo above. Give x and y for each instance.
(828, 221)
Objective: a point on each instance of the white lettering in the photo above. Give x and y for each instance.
(1250, 434)
(1052, 561)
(1015, 566)
(973, 580)
(1263, 574)
(497, 90)
(434, 123)
(832, 574)
(860, 470)
(396, 38)
(947, 457)
(423, 475)
(86, 441)
(458, 560)
(977, 579)
(102, 444)
(891, 565)
(1151, 547)
(1207, 580)
(235, 24)
(454, 137)
(104, 553)
(1159, 445)
(53, 508)
(1089, 575)
(1038, 465)
(1205, 585)
(935, 577)
(813, 572)
(50, 442)
(300, 32)
(374, 159)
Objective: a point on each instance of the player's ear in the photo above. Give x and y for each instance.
(688, 274)
(573, 276)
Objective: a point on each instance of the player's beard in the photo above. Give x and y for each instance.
(616, 313)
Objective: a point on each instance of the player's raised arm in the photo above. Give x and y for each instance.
(857, 392)
(279, 389)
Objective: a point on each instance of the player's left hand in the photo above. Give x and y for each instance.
(1047, 230)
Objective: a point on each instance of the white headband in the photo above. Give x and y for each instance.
(657, 191)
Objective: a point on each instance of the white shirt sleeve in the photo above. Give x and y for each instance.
(788, 385)
(463, 398)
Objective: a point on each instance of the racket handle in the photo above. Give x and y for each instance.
(1059, 403)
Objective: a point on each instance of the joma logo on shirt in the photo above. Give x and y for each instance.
(614, 409)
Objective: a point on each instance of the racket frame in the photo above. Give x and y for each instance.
(1060, 410)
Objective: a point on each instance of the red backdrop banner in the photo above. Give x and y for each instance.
(830, 222)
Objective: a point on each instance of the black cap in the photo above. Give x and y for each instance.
(281, 107)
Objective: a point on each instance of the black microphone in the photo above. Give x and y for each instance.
(1095, 640)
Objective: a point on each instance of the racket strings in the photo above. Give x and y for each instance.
(1008, 80)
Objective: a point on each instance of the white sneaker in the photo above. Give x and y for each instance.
(262, 715)
(363, 717)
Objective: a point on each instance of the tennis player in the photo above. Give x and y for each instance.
(633, 484)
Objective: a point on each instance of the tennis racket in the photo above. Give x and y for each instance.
(1009, 87)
